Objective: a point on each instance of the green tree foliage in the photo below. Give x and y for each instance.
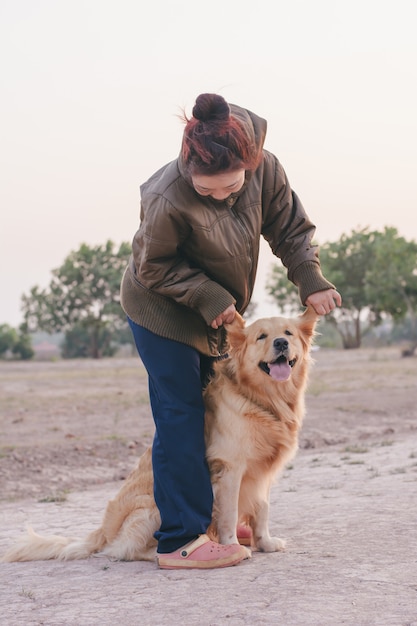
(8, 338)
(16, 342)
(392, 285)
(23, 347)
(376, 273)
(347, 263)
(77, 342)
(284, 292)
(83, 294)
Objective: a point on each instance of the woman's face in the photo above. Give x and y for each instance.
(219, 186)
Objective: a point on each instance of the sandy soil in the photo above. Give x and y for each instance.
(71, 431)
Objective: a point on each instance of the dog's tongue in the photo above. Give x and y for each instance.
(279, 371)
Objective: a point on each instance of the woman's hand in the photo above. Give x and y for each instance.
(226, 317)
(324, 302)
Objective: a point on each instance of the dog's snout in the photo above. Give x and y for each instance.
(281, 344)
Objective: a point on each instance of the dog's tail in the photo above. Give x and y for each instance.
(126, 531)
(34, 547)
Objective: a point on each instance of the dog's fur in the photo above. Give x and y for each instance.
(254, 410)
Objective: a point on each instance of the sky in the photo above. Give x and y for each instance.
(91, 92)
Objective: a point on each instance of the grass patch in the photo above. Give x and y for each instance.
(398, 470)
(60, 496)
(317, 388)
(331, 486)
(374, 473)
(27, 593)
(115, 437)
(356, 450)
(6, 450)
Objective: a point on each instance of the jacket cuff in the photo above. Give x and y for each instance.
(210, 299)
(309, 279)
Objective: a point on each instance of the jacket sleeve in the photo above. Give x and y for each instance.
(289, 231)
(161, 267)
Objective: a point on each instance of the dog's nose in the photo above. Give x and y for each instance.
(281, 344)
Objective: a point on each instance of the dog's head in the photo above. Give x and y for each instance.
(272, 347)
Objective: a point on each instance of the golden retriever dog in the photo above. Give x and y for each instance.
(254, 411)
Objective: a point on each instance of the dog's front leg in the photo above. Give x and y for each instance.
(226, 485)
(263, 540)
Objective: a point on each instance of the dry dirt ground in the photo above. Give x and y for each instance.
(70, 431)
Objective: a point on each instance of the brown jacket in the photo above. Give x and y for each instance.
(193, 257)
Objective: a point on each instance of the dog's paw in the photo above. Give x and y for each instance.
(270, 544)
(248, 552)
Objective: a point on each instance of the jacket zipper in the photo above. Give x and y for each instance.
(246, 239)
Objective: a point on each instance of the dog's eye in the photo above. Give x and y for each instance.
(289, 333)
(261, 336)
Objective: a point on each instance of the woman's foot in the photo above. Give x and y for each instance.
(202, 553)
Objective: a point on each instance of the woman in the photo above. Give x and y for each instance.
(193, 266)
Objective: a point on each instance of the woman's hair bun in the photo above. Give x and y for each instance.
(215, 140)
(210, 107)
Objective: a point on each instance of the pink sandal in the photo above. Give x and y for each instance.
(202, 553)
(244, 534)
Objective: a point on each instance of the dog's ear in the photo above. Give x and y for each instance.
(236, 331)
(307, 322)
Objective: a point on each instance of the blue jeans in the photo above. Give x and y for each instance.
(182, 486)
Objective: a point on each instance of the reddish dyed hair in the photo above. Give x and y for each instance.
(215, 141)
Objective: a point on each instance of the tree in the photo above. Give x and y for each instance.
(284, 292)
(347, 263)
(376, 273)
(395, 270)
(23, 346)
(344, 264)
(18, 343)
(77, 342)
(8, 338)
(83, 293)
